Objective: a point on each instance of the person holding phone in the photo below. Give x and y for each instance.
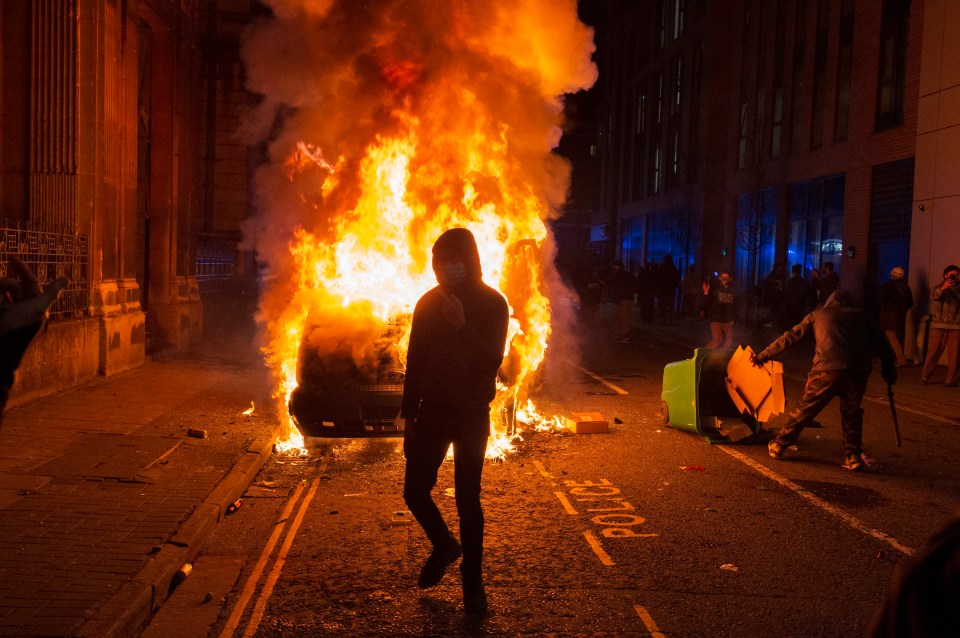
(944, 328)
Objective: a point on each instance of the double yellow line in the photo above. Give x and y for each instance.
(271, 580)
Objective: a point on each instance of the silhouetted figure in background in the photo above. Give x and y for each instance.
(591, 293)
(623, 288)
(691, 288)
(22, 310)
(816, 288)
(796, 297)
(669, 282)
(457, 341)
(896, 299)
(773, 285)
(846, 340)
(646, 293)
(831, 282)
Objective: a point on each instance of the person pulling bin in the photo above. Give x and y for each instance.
(847, 339)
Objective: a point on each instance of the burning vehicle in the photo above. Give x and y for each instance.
(337, 396)
(387, 123)
(345, 391)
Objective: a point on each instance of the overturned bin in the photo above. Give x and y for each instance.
(721, 396)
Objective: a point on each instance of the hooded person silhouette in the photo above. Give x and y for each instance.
(457, 341)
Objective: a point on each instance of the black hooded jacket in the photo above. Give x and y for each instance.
(449, 369)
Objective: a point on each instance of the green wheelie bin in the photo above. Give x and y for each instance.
(721, 395)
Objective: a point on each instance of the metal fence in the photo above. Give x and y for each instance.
(216, 264)
(51, 255)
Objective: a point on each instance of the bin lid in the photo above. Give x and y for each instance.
(755, 391)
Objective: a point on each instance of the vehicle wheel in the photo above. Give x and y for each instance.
(664, 413)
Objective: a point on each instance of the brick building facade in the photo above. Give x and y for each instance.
(743, 133)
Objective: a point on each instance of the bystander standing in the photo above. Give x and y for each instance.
(944, 328)
(896, 299)
(719, 307)
(797, 297)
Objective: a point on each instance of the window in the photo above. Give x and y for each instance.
(678, 10)
(677, 84)
(657, 164)
(756, 234)
(675, 156)
(891, 206)
(799, 68)
(777, 130)
(662, 25)
(779, 55)
(660, 98)
(820, 74)
(844, 71)
(742, 143)
(816, 222)
(632, 242)
(694, 120)
(891, 74)
(641, 113)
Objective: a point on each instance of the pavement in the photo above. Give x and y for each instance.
(108, 490)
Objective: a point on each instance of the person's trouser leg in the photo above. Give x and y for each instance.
(424, 455)
(897, 348)
(952, 349)
(727, 329)
(820, 388)
(935, 344)
(852, 385)
(716, 335)
(622, 327)
(468, 454)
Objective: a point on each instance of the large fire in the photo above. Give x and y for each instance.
(389, 122)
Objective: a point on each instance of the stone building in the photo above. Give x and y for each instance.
(119, 169)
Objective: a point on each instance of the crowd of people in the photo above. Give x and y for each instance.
(780, 302)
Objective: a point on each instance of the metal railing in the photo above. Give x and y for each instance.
(216, 263)
(51, 255)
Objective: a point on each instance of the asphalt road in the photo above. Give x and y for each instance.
(645, 530)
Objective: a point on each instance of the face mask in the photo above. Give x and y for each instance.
(451, 274)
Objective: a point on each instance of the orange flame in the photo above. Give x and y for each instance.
(440, 115)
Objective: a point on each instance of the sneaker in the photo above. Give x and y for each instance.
(775, 449)
(852, 462)
(474, 598)
(436, 566)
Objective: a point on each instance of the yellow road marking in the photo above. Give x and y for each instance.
(274, 574)
(852, 521)
(598, 549)
(244, 599)
(613, 387)
(648, 621)
(566, 503)
(543, 471)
